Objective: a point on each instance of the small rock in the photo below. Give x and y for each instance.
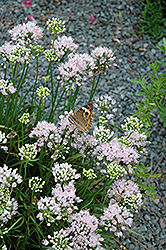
(162, 223)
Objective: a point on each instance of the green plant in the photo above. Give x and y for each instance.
(154, 92)
(152, 19)
(73, 190)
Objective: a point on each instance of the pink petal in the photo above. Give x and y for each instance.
(92, 19)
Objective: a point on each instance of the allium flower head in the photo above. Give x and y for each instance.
(6, 87)
(116, 218)
(8, 179)
(132, 124)
(56, 25)
(36, 184)
(36, 49)
(24, 118)
(15, 53)
(89, 174)
(59, 240)
(51, 55)
(102, 58)
(64, 173)
(64, 45)
(134, 135)
(129, 192)
(20, 54)
(4, 247)
(104, 105)
(6, 51)
(113, 151)
(47, 135)
(114, 171)
(74, 72)
(43, 92)
(60, 206)
(28, 152)
(84, 143)
(8, 205)
(138, 141)
(102, 133)
(83, 230)
(26, 34)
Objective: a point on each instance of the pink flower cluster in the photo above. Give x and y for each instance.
(83, 231)
(23, 37)
(128, 191)
(5, 87)
(8, 179)
(15, 53)
(74, 72)
(64, 45)
(81, 235)
(61, 205)
(6, 50)
(8, 208)
(26, 34)
(59, 240)
(47, 135)
(113, 151)
(102, 56)
(84, 142)
(138, 141)
(116, 218)
(104, 105)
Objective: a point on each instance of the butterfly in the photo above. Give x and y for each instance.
(82, 118)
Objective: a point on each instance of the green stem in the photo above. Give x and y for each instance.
(16, 73)
(53, 111)
(94, 87)
(37, 73)
(43, 108)
(53, 41)
(64, 107)
(115, 126)
(13, 72)
(48, 68)
(22, 130)
(69, 100)
(75, 95)
(23, 76)
(1, 108)
(52, 84)
(13, 111)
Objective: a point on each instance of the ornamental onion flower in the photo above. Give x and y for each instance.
(28, 152)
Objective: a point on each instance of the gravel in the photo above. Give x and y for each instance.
(150, 221)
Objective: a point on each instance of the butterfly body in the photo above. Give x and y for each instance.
(82, 118)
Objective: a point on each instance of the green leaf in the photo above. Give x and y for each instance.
(131, 231)
(161, 48)
(161, 62)
(140, 94)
